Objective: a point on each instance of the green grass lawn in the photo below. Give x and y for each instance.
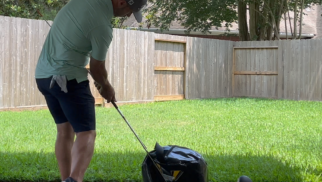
(267, 140)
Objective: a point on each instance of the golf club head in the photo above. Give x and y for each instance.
(159, 152)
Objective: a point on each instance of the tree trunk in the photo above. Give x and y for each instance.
(242, 21)
(270, 15)
(254, 20)
(285, 25)
(269, 29)
(289, 18)
(286, 10)
(263, 29)
(280, 8)
(275, 17)
(295, 19)
(301, 19)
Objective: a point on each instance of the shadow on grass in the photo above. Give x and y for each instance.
(126, 167)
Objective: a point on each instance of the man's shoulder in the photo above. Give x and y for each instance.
(94, 12)
(102, 30)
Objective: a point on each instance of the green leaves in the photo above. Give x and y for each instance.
(192, 14)
(29, 8)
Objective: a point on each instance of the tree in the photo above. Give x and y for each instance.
(264, 15)
(32, 9)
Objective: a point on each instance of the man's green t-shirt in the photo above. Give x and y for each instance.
(82, 28)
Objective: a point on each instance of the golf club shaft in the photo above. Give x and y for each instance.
(130, 126)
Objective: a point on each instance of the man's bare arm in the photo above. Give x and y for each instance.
(99, 74)
(98, 71)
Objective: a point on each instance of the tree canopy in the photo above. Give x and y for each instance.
(32, 9)
(264, 15)
(256, 19)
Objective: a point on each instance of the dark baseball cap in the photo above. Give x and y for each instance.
(136, 6)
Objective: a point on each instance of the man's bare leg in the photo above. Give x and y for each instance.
(82, 153)
(63, 147)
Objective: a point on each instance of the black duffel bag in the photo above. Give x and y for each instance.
(175, 163)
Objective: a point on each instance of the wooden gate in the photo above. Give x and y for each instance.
(169, 70)
(255, 71)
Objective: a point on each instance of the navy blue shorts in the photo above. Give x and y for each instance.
(77, 106)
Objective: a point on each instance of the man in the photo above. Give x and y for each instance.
(81, 33)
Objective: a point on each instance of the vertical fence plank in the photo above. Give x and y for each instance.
(272, 93)
(150, 65)
(202, 53)
(280, 70)
(16, 69)
(249, 68)
(228, 82)
(167, 62)
(189, 68)
(294, 71)
(315, 75)
(301, 75)
(196, 71)
(319, 75)
(297, 74)
(212, 57)
(24, 62)
(264, 64)
(285, 69)
(222, 58)
(214, 67)
(206, 69)
(307, 48)
(28, 66)
(291, 65)
(216, 57)
(133, 62)
(310, 57)
(13, 57)
(144, 73)
(34, 59)
(6, 63)
(2, 58)
(311, 72)
(297, 71)
(119, 51)
(236, 91)
(137, 65)
(114, 63)
(271, 66)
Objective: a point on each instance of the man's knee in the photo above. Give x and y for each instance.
(65, 130)
(90, 135)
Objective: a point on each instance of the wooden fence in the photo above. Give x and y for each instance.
(21, 42)
(285, 69)
(146, 67)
